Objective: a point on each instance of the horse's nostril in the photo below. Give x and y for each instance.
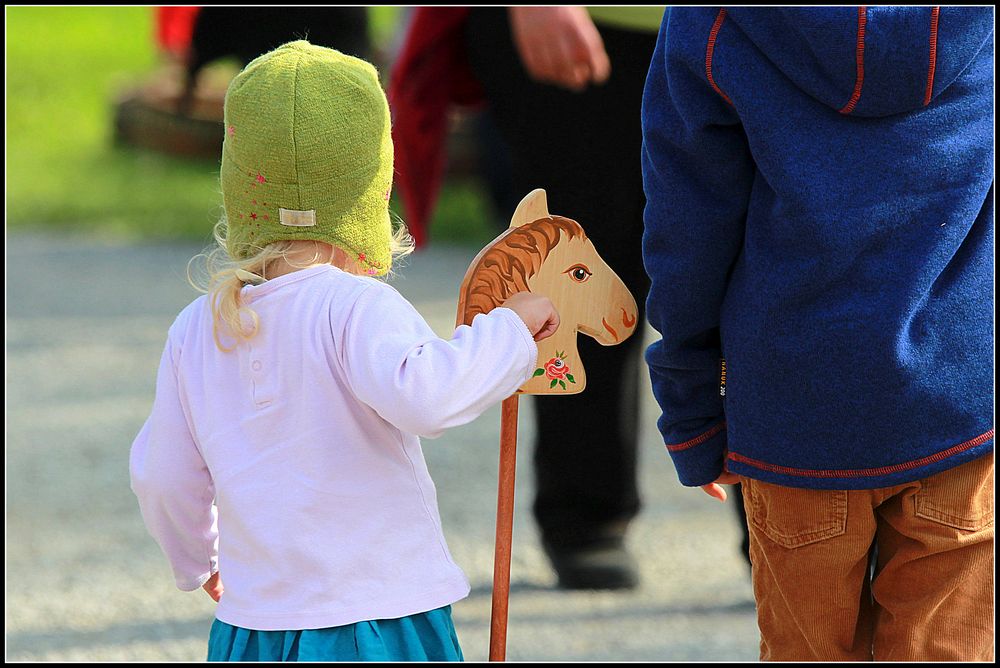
(609, 328)
(626, 320)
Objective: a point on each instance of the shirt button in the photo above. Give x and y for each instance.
(257, 365)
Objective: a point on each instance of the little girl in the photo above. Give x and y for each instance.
(282, 447)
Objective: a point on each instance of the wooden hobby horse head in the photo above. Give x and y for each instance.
(552, 256)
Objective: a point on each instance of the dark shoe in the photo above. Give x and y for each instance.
(605, 565)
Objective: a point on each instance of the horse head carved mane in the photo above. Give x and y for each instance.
(506, 265)
(586, 292)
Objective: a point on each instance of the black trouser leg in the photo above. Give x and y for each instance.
(584, 150)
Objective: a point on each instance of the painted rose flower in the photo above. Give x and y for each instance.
(556, 370)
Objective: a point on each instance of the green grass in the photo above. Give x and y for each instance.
(383, 22)
(65, 67)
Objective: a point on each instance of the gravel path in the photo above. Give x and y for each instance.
(86, 322)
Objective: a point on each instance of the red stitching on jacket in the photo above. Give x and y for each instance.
(710, 49)
(697, 440)
(935, 11)
(862, 21)
(864, 473)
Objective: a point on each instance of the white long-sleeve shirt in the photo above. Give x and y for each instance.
(293, 464)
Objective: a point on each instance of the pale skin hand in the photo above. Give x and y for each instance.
(559, 45)
(537, 312)
(213, 587)
(716, 490)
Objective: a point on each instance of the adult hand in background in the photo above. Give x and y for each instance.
(559, 45)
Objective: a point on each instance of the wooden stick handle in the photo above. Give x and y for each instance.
(505, 527)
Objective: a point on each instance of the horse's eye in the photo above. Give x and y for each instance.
(578, 273)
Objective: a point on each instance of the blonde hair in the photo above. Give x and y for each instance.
(223, 278)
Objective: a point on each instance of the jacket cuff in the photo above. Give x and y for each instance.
(699, 460)
(530, 347)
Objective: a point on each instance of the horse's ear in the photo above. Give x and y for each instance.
(533, 207)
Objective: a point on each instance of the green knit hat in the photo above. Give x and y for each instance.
(308, 154)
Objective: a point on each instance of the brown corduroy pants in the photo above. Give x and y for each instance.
(900, 573)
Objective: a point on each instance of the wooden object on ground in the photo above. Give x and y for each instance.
(152, 116)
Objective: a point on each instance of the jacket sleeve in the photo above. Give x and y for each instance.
(173, 485)
(697, 175)
(421, 383)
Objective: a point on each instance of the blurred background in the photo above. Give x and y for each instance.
(112, 186)
(95, 144)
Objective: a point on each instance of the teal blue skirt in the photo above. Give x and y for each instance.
(426, 636)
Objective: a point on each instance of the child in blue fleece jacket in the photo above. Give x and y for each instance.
(819, 237)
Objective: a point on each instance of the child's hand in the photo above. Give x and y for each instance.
(214, 587)
(715, 489)
(537, 312)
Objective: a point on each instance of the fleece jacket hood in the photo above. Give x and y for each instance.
(876, 56)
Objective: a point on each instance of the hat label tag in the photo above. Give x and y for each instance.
(293, 218)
